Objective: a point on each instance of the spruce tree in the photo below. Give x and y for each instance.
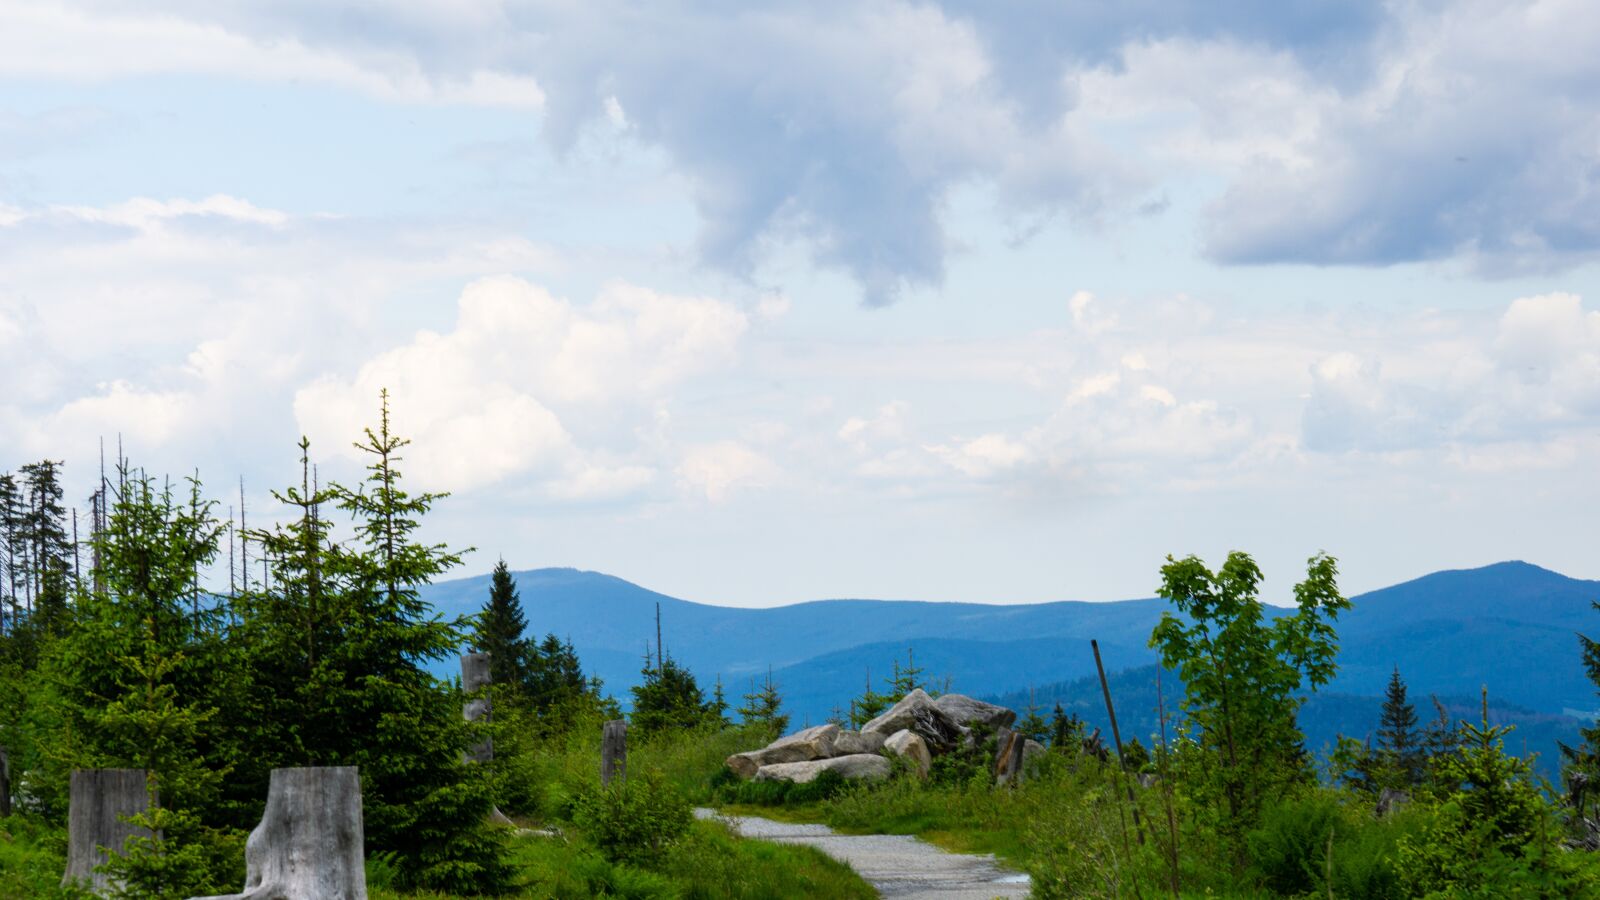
(1399, 742)
(719, 704)
(44, 528)
(500, 628)
(135, 684)
(868, 706)
(433, 812)
(669, 698)
(1586, 757)
(554, 676)
(1032, 725)
(1066, 732)
(340, 641)
(761, 708)
(905, 680)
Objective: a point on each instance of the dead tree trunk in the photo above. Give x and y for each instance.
(475, 680)
(99, 800)
(310, 843)
(476, 676)
(614, 751)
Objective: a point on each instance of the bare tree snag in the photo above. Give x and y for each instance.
(310, 843)
(614, 751)
(475, 680)
(100, 800)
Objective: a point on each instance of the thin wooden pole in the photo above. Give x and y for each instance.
(1166, 786)
(1116, 736)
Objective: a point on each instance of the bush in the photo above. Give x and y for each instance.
(633, 821)
(1305, 841)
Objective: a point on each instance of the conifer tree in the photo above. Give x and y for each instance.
(868, 706)
(669, 698)
(1066, 732)
(340, 640)
(905, 680)
(1586, 757)
(554, 676)
(761, 707)
(500, 628)
(1399, 742)
(719, 704)
(44, 529)
(1032, 725)
(135, 684)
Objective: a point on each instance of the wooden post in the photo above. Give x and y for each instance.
(310, 843)
(1116, 737)
(614, 751)
(475, 680)
(99, 800)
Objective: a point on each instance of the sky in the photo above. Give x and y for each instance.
(993, 301)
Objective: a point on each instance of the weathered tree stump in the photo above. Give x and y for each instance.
(310, 843)
(475, 679)
(5, 782)
(1008, 756)
(614, 751)
(100, 799)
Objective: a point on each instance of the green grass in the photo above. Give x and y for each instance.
(32, 858)
(708, 864)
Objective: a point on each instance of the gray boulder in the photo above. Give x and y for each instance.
(812, 743)
(847, 743)
(917, 712)
(911, 746)
(968, 712)
(868, 766)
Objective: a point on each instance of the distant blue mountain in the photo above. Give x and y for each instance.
(1510, 625)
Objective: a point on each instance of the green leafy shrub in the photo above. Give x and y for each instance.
(1308, 840)
(634, 821)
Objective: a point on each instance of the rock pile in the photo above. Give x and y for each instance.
(918, 728)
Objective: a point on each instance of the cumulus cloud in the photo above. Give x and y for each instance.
(1403, 131)
(1534, 378)
(482, 400)
(715, 471)
(92, 40)
(1474, 135)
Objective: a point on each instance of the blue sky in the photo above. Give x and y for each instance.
(752, 304)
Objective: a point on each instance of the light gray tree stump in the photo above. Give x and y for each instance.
(310, 844)
(614, 751)
(99, 800)
(475, 679)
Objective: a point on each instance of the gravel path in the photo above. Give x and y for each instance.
(899, 866)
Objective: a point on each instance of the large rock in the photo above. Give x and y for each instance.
(812, 743)
(869, 766)
(910, 745)
(851, 742)
(965, 711)
(917, 712)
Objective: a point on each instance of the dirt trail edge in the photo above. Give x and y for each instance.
(898, 866)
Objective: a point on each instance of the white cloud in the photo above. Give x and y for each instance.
(481, 400)
(90, 42)
(716, 471)
(982, 456)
